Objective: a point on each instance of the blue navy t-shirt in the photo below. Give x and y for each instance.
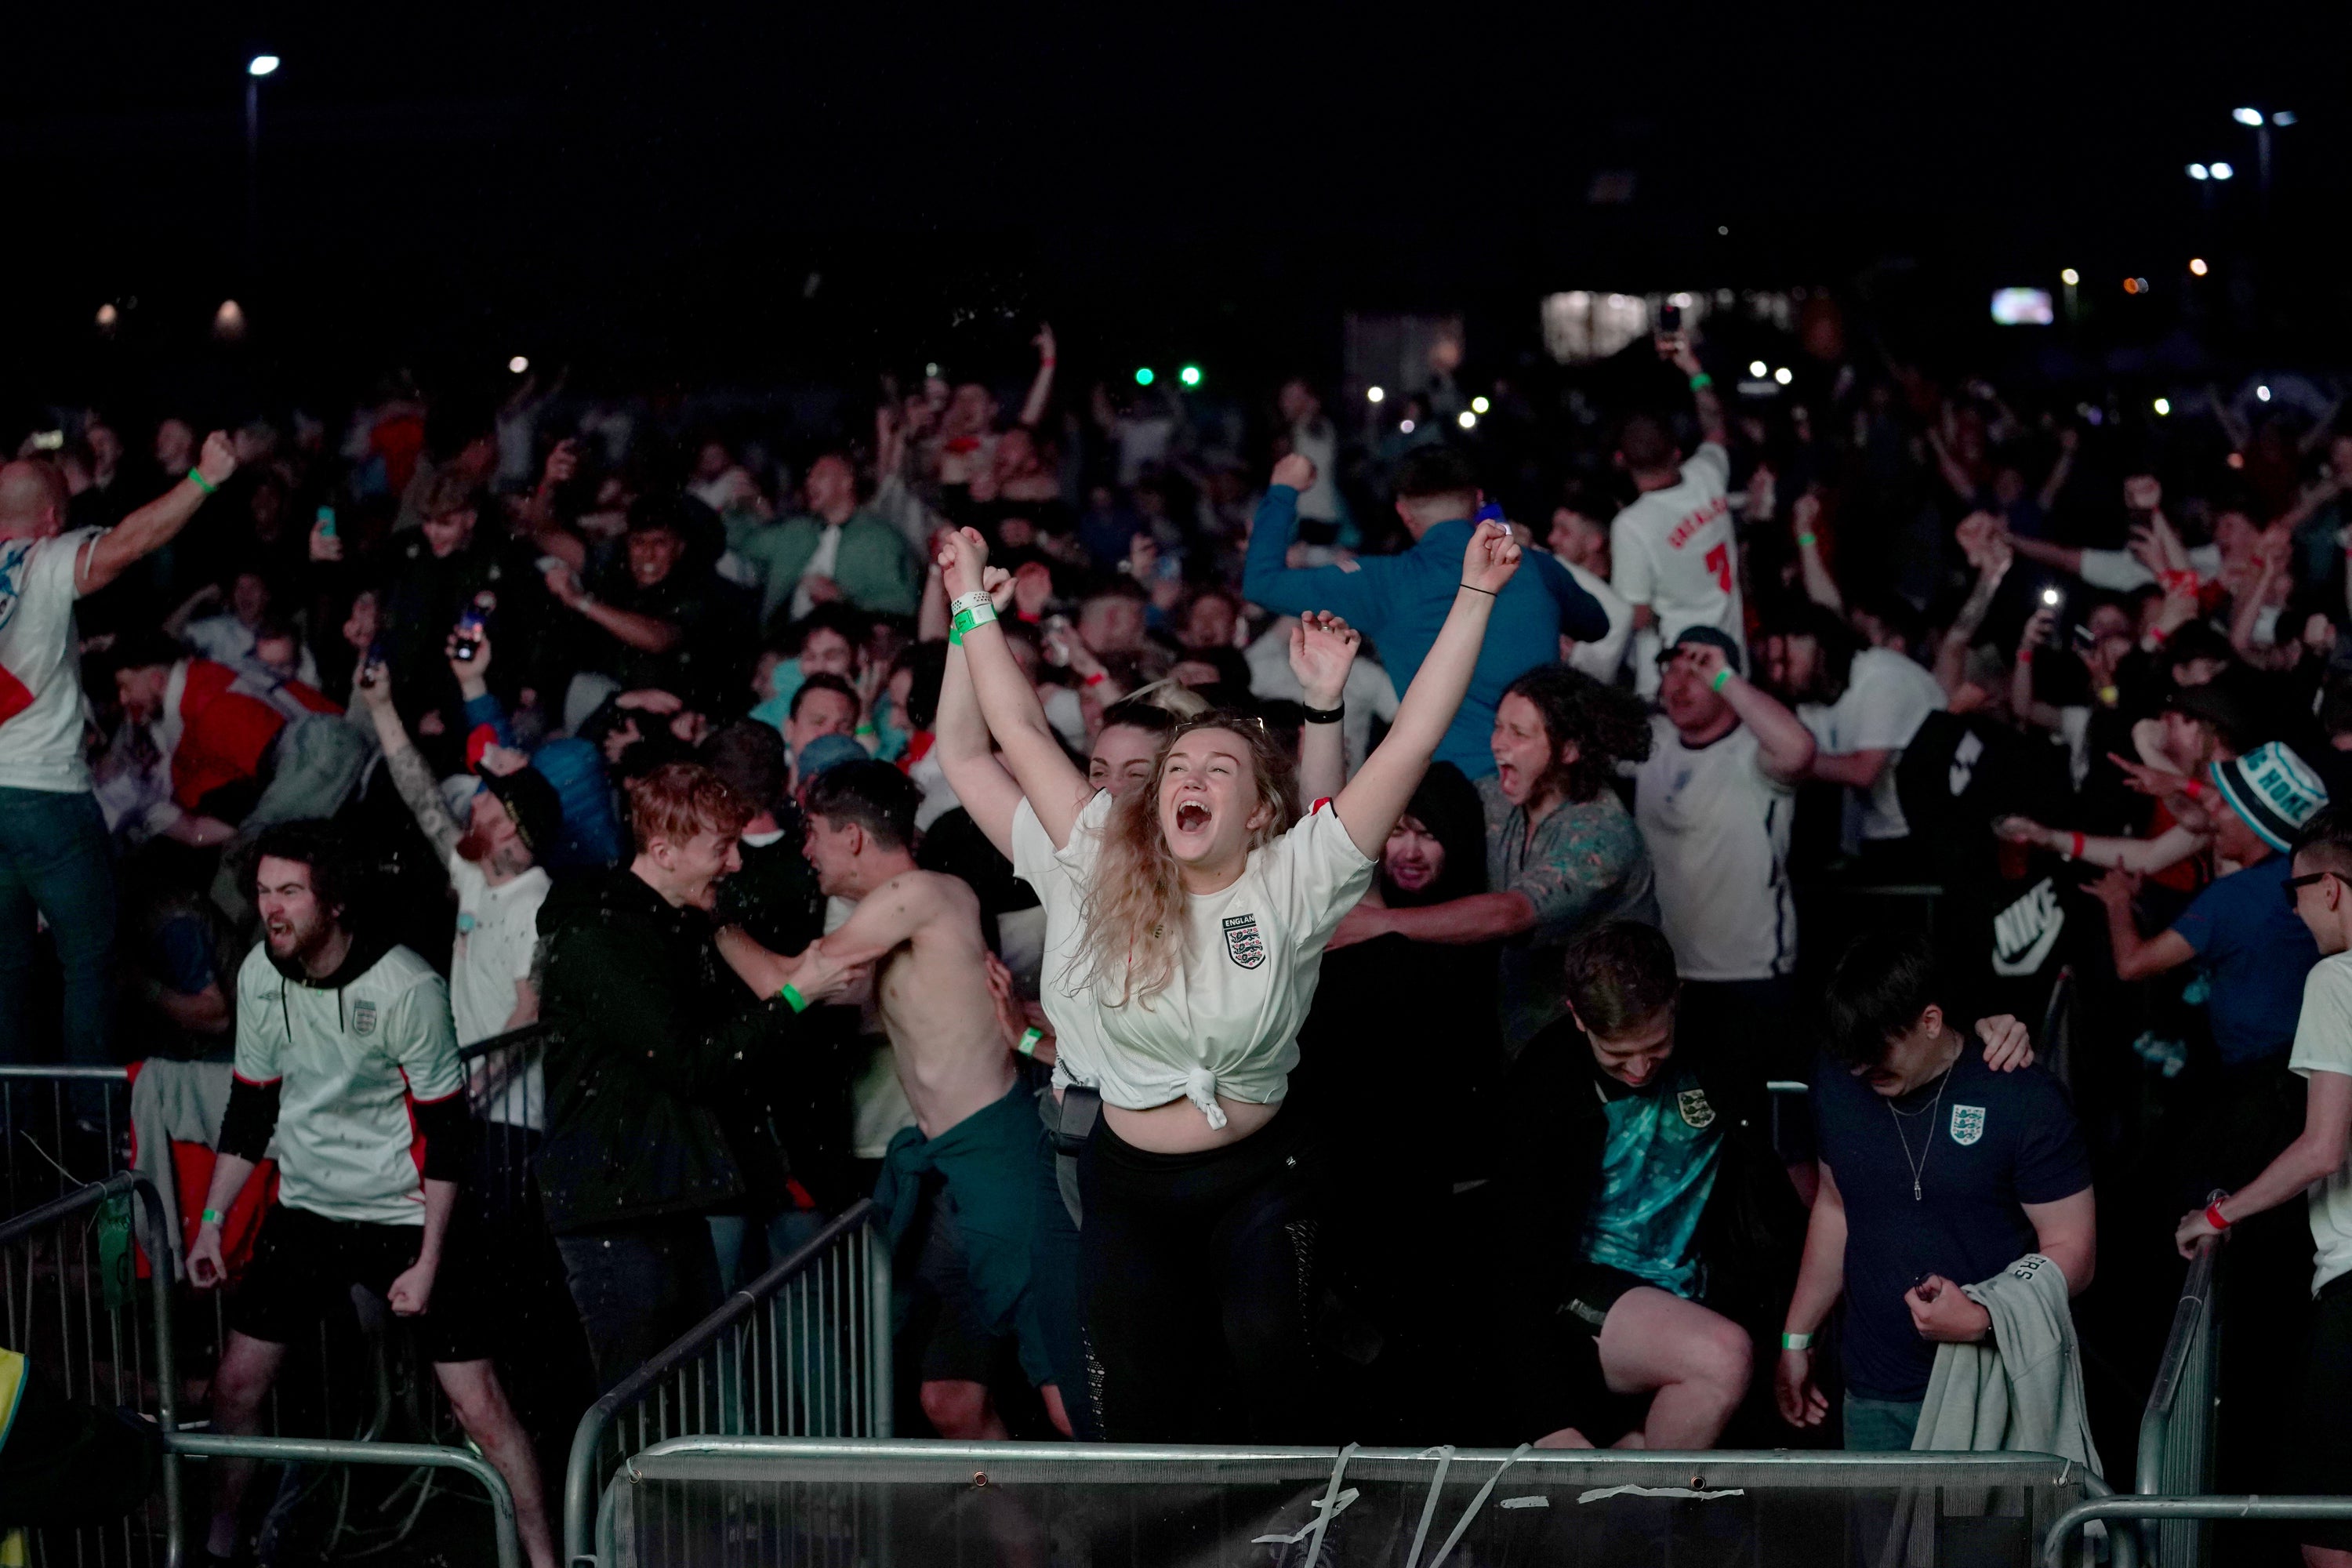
(1996, 1141)
(2255, 950)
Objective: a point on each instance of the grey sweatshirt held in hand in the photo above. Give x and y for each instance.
(2022, 1389)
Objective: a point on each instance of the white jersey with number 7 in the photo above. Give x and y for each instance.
(1673, 550)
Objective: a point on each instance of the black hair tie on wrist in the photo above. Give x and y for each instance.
(1323, 715)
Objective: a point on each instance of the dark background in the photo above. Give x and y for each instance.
(756, 192)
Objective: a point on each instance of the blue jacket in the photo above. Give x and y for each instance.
(1400, 602)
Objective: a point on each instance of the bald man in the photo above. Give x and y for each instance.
(53, 844)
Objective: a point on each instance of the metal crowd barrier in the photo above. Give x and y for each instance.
(802, 1351)
(2177, 1429)
(63, 1126)
(750, 1501)
(74, 1308)
(2172, 1510)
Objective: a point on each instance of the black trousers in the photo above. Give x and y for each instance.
(639, 1288)
(1201, 1291)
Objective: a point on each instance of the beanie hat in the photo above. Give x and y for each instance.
(2272, 790)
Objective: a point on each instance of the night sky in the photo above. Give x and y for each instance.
(748, 191)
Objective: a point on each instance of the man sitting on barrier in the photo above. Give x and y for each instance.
(1941, 1160)
(976, 1117)
(1666, 1216)
(344, 1052)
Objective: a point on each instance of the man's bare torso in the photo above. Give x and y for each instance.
(932, 991)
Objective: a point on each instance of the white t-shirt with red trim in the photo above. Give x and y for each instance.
(353, 1059)
(40, 664)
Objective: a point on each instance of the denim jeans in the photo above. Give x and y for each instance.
(54, 858)
(639, 1288)
(1881, 1425)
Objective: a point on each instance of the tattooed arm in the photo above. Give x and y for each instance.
(411, 774)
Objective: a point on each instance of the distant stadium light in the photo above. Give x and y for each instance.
(518, 364)
(1374, 394)
(2223, 172)
(2069, 277)
(2163, 406)
(2262, 393)
(262, 65)
(2247, 116)
(1784, 375)
(1144, 376)
(1190, 375)
(2197, 268)
(1467, 420)
(1478, 405)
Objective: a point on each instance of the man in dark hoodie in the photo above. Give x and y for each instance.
(644, 1040)
(345, 1053)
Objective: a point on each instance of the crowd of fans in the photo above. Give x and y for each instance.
(1651, 839)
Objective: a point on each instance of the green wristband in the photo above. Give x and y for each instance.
(790, 995)
(1796, 1341)
(214, 1217)
(203, 483)
(1722, 679)
(967, 621)
(1701, 381)
(1807, 540)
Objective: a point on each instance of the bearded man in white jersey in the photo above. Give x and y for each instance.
(975, 1117)
(346, 1058)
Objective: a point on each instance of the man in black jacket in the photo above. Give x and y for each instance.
(644, 1039)
(1665, 1219)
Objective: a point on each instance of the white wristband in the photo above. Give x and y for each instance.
(971, 601)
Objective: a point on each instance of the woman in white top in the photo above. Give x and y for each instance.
(1185, 928)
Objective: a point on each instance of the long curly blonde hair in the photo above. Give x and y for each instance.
(1134, 912)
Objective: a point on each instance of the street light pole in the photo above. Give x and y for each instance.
(257, 68)
(252, 176)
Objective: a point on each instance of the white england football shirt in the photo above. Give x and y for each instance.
(1673, 550)
(40, 690)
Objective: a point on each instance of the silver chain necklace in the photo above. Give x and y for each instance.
(1921, 1168)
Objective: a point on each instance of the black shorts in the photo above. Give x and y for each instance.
(1593, 1290)
(305, 1263)
(2321, 1462)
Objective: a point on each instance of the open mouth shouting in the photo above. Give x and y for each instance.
(1193, 818)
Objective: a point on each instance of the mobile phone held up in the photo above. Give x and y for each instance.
(1670, 318)
(466, 643)
(326, 522)
(371, 666)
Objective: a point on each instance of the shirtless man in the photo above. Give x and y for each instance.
(976, 1121)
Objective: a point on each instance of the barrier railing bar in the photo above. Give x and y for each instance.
(2136, 1507)
(60, 1070)
(2055, 1470)
(580, 1485)
(339, 1451)
(2190, 1321)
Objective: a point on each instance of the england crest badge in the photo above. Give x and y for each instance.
(1696, 1111)
(1967, 1123)
(363, 1019)
(1243, 945)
